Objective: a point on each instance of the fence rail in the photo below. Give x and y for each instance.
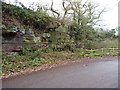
(103, 51)
(9, 46)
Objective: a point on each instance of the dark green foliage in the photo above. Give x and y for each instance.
(16, 63)
(26, 16)
(82, 36)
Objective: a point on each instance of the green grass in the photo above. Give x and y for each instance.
(16, 63)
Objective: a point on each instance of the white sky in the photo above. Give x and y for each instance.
(110, 18)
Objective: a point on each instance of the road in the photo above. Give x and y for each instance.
(102, 74)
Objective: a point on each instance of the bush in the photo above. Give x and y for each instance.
(107, 43)
(27, 16)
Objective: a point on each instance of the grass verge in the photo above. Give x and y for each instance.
(16, 63)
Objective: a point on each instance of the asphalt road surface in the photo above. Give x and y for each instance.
(102, 74)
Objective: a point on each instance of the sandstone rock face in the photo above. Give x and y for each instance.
(11, 41)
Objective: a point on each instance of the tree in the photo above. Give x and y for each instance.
(84, 18)
(80, 17)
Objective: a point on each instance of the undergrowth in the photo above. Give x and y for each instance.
(29, 59)
(26, 16)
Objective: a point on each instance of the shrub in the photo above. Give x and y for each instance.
(27, 16)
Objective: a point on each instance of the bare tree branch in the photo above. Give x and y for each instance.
(101, 13)
(66, 9)
(58, 14)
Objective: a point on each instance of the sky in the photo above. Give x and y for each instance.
(109, 18)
